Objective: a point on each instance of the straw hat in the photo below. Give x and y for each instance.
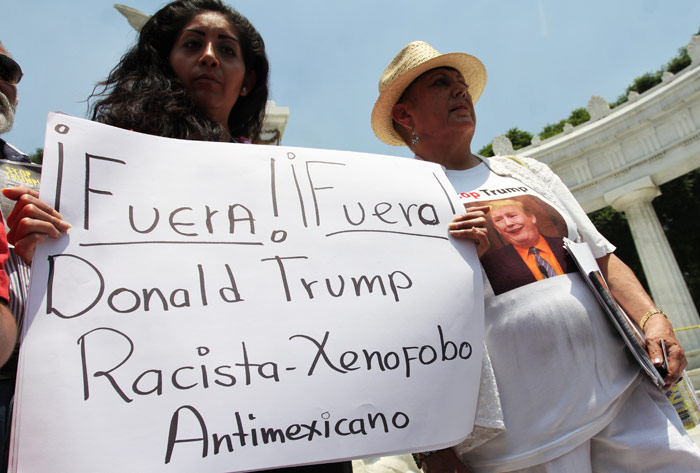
(413, 60)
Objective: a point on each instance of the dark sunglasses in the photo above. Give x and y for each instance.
(10, 70)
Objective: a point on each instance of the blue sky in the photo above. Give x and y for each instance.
(544, 57)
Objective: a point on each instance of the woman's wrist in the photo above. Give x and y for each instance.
(645, 318)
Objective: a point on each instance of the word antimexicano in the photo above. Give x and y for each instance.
(245, 435)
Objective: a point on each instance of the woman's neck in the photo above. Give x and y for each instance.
(453, 155)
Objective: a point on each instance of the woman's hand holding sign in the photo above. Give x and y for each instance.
(31, 221)
(472, 226)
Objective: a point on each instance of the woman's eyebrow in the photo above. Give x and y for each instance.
(221, 36)
(434, 74)
(444, 72)
(225, 36)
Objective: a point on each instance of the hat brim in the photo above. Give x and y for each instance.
(471, 68)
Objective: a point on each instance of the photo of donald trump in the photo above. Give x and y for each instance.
(521, 251)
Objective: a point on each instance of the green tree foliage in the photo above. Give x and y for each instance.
(517, 137)
(552, 129)
(37, 156)
(680, 62)
(577, 116)
(646, 81)
(487, 150)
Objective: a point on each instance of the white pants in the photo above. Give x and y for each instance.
(646, 436)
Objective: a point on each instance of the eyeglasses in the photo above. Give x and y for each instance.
(10, 70)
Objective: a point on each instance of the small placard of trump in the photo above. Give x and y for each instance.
(227, 307)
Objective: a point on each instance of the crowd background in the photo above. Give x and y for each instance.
(544, 58)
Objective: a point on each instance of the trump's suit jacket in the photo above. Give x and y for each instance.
(506, 270)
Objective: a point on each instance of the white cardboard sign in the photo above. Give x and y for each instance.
(225, 307)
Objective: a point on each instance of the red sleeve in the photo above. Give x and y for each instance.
(4, 253)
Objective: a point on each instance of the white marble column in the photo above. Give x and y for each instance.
(668, 288)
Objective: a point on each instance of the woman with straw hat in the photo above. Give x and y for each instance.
(572, 400)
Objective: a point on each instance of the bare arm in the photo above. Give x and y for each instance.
(630, 294)
(8, 332)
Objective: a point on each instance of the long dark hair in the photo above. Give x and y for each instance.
(143, 94)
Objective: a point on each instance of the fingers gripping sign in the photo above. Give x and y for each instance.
(472, 226)
(31, 221)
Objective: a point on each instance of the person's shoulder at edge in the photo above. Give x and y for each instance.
(11, 153)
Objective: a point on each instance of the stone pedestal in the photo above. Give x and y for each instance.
(668, 288)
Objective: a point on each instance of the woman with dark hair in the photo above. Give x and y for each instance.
(198, 71)
(151, 91)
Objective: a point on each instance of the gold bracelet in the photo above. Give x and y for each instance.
(646, 317)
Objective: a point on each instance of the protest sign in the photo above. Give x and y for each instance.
(225, 307)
